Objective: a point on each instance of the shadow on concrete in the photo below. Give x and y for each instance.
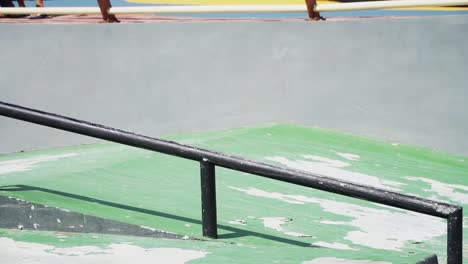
(19, 214)
(236, 232)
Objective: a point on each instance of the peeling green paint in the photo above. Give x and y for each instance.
(150, 189)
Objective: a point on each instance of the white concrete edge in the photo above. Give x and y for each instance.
(233, 8)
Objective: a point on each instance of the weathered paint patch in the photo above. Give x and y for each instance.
(149, 228)
(455, 192)
(296, 234)
(333, 245)
(333, 169)
(377, 228)
(24, 252)
(348, 156)
(327, 222)
(276, 223)
(29, 163)
(330, 260)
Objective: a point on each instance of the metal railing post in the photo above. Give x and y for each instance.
(208, 199)
(455, 237)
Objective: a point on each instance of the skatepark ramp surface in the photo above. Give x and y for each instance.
(209, 160)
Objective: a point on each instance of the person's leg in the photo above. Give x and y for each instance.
(311, 12)
(7, 3)
(39, 3)
(104, 5)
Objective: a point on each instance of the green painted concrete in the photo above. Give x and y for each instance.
(150, 189)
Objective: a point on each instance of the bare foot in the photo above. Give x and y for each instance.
(315, 18)
(112, 19)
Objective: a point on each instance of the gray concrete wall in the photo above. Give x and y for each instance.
(403, 80)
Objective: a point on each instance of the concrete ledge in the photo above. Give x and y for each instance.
(400, 80)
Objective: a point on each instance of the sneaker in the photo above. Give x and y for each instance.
(38, 16)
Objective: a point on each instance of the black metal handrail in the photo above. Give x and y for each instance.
(209, 159)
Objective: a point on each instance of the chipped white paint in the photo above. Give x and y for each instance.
(376, 228)
(333, 245)
(237, 222)
(296, 234)
(330, 162)
(455, 192)
(334, 169)
(327, 222)
(348, 156)
(149, 228)
(276, 223)
(28, 163)
(330, 260)
(23, 252)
